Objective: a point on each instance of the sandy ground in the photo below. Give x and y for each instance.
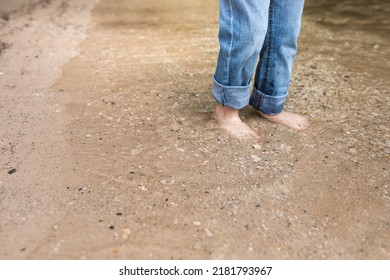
(108, 149)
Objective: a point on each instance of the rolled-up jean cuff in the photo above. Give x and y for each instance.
(267, 104)
(236, 97)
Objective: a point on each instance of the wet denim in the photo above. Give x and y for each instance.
(249, 30)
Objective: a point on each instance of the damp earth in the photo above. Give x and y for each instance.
(106, 116)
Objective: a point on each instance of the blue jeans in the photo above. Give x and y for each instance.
(249, 29)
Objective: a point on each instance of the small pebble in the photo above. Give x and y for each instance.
(352, 151)
(125, 236)
(255, 158)
(208, 232)
(196, 223)
(12, 171)
(256, 147)
(126, 231)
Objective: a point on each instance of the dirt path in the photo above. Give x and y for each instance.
(119, 157)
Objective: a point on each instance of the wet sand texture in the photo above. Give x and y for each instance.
(108, 149)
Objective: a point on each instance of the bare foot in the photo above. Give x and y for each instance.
(230, 121)
(290, 120)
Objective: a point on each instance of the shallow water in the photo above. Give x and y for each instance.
(357, 15)
(357, 30)
(130, 165)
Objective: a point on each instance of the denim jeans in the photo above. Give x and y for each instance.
(249, 29)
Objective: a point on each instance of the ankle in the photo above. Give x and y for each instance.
(225, 113)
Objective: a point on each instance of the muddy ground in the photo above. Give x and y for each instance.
(108, 149)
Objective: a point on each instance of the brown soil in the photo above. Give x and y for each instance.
(108, 149)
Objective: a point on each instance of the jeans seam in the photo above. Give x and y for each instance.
(231, 41)
(223, 96)
(259, 98)
(269, 46)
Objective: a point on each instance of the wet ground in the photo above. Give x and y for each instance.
(356, 27)
(113, 154)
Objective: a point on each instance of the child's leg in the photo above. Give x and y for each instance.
(276, 59)
(243, 27)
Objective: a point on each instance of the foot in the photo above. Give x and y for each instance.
(230, 121)
(290, 120)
